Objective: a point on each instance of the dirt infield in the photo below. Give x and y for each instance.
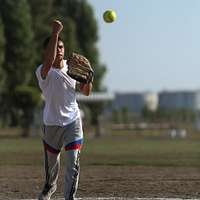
(23, 182)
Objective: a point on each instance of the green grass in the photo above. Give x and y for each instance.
(131, 150)
(115, 149)
(20, 151)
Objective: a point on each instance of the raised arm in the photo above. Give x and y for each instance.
(51, 48)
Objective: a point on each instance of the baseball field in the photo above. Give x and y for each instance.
(142, 164)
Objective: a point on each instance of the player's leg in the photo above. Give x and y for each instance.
(52, 145)
(73, 142)
(72, 170)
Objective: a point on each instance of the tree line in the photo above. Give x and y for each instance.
(24, 24)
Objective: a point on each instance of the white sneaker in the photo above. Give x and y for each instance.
(47, 192)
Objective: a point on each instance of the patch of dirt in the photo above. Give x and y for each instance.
(22, 182)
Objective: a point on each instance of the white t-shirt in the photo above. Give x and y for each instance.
(58, 90)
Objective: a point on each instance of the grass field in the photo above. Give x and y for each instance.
(118, 148)
(122, 164)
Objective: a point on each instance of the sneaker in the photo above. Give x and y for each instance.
(47, 192)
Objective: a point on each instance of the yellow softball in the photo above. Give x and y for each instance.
(109, 16)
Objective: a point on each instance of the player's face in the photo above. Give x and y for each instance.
(60, 50)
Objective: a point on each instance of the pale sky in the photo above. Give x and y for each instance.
(154, 45)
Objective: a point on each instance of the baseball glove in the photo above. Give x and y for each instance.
(79, 68)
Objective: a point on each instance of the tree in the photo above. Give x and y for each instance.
(19, 54)
(2, 55)
(42, 14)
(69, 36)
(2, 71)
(26, 98)
(26, 25)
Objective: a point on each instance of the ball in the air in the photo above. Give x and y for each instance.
(109, 16)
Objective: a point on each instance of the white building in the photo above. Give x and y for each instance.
(151, 100)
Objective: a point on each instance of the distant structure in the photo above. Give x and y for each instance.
(95, 97)
(135, 102)
(189, 100)
(151, 100)
(179, 100)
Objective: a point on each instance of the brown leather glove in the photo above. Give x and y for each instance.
(79, 68)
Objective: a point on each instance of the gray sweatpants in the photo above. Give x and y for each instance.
(71, 138)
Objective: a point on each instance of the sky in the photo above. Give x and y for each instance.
(154, 45)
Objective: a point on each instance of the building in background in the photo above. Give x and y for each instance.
(189, 100)
(151, 100)
(135, 102)
(95, 97)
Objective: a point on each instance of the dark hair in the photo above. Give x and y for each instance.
(46, 41)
